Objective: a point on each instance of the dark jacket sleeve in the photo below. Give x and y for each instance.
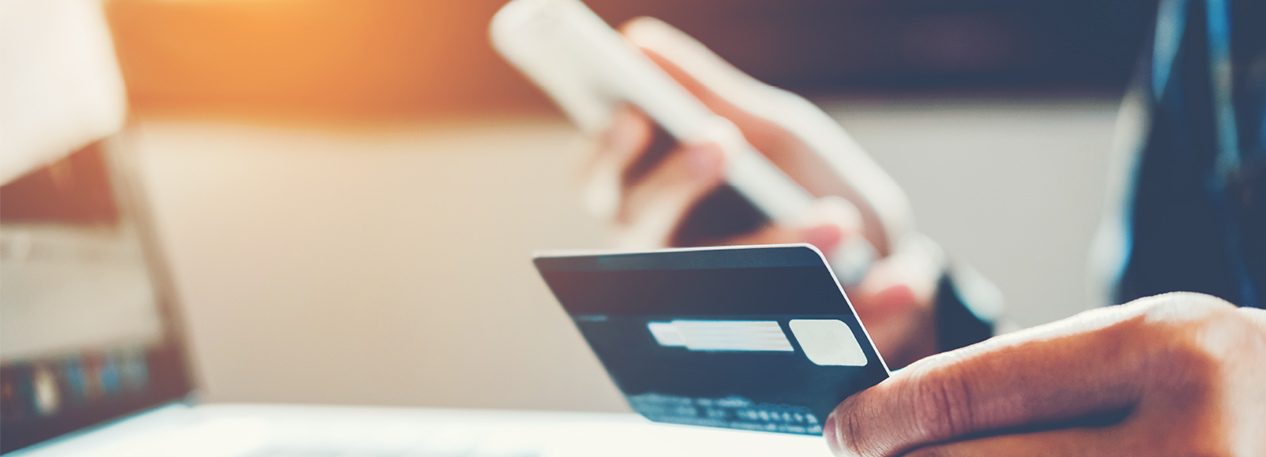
(958, 323)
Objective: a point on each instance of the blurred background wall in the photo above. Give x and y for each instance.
(409, 58)
(349, 191)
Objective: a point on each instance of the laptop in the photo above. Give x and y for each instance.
(93, 359)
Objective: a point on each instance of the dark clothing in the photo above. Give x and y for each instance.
(1195, 215)
(1197, 218)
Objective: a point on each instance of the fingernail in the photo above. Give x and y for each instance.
(828, 432)
(825, 237)
(646, 31)
(621, 136)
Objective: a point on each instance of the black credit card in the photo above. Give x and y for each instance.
(753, 338)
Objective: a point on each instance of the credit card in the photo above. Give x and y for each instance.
(751, 338)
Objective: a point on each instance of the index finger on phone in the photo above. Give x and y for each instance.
(1045, 375)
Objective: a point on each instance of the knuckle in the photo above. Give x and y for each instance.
(942, 406)
(1189, 337)
(1183, 308)
(850, 434)
(1180, 323)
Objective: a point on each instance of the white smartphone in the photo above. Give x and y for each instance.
(590, 70)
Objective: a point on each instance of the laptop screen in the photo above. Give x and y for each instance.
(85, 328)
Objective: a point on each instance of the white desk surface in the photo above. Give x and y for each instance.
(240, 430)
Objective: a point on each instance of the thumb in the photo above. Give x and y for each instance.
(723, 88)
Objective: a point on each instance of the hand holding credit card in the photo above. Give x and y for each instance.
(751, 338)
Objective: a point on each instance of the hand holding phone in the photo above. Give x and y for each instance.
(590, 70)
